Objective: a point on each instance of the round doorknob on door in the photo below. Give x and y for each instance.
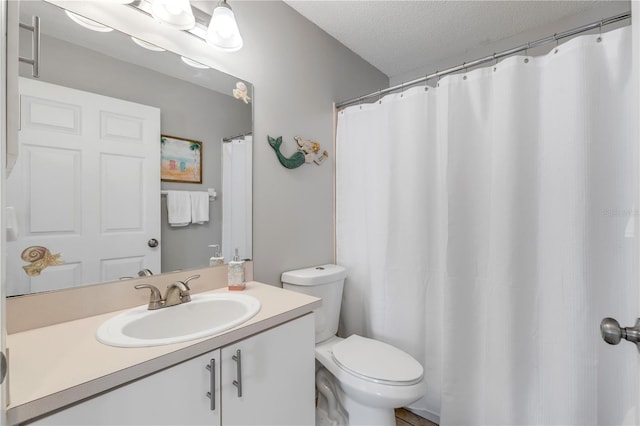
(153, 243)
(612, 333)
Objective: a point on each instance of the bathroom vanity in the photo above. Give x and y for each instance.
(261, 372)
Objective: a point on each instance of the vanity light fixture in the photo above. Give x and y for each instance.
(193, 63)
(174, 13)
(223, 30)
(147, 45)
(88, 23)
(219, 30)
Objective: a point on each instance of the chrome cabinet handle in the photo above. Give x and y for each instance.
(238, 383)
(212, 376)
(612, 333)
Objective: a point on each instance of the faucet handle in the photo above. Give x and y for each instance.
(155, 301)
(145, 273)
(185, 296)
(177, 292)
(186, 282)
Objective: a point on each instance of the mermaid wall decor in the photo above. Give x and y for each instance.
(308, 152)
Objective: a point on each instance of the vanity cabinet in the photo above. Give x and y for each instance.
(275, 371)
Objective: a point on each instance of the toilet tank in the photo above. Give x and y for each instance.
(326, 282)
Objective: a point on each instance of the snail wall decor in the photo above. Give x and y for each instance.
(40, 258)
(308, 152)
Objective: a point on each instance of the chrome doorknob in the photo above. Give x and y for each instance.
(153, 243)
(612, 333)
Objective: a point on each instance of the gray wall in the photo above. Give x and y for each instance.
(187, 111)
(601, 10)
(298, 71)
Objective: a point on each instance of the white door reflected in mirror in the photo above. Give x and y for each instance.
(86, 187)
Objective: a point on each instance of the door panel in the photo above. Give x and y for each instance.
(55, 198)
(122, 193)
(88, 181)
(46, 114)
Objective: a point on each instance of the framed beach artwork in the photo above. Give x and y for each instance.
(181, 160)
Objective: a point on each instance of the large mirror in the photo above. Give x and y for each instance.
(98, 95)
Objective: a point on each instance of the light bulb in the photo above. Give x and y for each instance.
(147, 45)
(173, 8)
(193, 63)
(226, 24)
(223, 30)
(174, 13)
(88, 23)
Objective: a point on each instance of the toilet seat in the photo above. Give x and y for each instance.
(376, 361)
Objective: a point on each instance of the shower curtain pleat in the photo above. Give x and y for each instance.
(237, 184)
(484, 224)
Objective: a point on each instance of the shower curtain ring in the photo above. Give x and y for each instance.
(402, 89)
(555, 37)
(495, 62)
(426, 81)
(599, 39)
(379, 96)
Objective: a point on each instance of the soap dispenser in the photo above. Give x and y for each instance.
(236, 273)
(217, 258)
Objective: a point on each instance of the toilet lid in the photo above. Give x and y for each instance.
(376, 361)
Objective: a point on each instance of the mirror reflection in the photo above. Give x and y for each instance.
(85, 198)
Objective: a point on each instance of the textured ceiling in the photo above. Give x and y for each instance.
(399, 36)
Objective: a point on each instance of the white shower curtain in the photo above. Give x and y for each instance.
(237, 160)
(488, 225)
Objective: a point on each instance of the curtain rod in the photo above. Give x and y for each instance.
(230, 138)
(495, 56)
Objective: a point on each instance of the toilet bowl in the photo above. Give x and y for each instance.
(365, 378)
(373, 382)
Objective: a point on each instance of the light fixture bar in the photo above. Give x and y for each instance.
(202, 18)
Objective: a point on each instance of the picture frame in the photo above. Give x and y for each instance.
(180, 159)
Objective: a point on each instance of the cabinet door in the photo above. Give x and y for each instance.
(175, 396)
(277, 377)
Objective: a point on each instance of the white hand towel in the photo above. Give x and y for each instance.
(199, 207)
(178, 208)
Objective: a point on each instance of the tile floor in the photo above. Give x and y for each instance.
(407, 418)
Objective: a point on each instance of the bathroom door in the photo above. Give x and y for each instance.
(85, 189)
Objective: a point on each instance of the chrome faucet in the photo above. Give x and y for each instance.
(145, 273)
(141, 273)
(177, 293)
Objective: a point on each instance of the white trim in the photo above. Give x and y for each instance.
(4, 72)
(635, 43)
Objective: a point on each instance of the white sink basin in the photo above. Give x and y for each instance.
(205, 315)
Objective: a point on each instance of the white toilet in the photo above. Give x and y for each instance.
(360, 380)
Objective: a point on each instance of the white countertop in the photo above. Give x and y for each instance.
(51, 367)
